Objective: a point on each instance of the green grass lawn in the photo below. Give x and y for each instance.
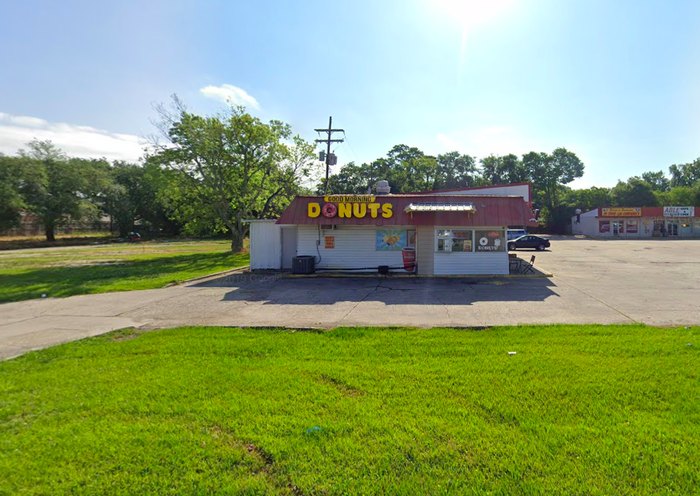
(65, 271)
(578, 410)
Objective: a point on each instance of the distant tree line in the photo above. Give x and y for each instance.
(408, 169)
(207, 175)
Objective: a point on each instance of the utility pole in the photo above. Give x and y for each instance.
(329, 139)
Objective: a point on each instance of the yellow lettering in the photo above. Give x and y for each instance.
(373, 209)
(344, 210)
(359, 210)
(313, 210)
(386, 210)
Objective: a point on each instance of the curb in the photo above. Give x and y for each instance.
(215, 274)
(336, 275)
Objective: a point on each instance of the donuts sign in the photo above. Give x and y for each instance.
(349, 210)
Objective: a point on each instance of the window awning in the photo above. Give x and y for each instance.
(440, 207)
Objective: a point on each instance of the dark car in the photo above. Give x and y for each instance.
(528, 241)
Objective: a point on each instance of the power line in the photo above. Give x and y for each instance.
(329, 139)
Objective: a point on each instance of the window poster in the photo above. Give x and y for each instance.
(604, 226)
(390, 240)
(490, 241)
(632, 227)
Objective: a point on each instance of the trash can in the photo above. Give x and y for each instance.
(409, 259)
(303, 264)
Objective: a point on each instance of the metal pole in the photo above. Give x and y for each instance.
(328, 153)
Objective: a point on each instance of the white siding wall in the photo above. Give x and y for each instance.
(265, 245)
(425, 249)
(514, 190)
(588, 225)
(354, 248)
(471, 263)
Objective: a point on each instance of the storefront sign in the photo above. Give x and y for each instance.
(679, 211)
(349, 198)
(329, 242)
(347, 210)
(621, 212)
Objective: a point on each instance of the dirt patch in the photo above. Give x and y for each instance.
(340, 385)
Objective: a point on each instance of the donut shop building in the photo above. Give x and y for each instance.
(460, 232)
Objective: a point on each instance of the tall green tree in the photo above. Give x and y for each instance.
(549, 173)
(506, 169)
(408, 170)
(58, 189)
(635, 192)
(685, 174)
(232, 167)
(657, 180)
(455, 170)
(680, 196)
(11, 200)
(134, 198)
(587, 199)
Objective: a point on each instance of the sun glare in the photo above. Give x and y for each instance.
(471, 13)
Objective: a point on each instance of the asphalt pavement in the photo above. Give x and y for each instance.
(656, 282)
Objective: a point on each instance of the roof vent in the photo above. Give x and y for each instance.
(383, 187)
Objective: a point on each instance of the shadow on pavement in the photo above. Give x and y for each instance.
(278, 290)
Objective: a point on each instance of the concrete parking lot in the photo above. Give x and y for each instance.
(618, 281)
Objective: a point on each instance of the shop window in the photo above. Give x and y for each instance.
(411, 239)
(490, 241)
(604, 226)
(454, 240)
(632, 227)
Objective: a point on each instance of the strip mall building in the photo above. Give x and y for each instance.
(639, 222)
(458, 232)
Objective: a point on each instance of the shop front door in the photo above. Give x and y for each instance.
(672, 228)
(617, 228)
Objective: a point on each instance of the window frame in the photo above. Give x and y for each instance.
(446, 234)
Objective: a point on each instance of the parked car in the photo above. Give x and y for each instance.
(529, 241)
(516, 233)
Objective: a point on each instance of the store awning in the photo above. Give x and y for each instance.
(440, 207)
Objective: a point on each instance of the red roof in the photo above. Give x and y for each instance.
(490, 211)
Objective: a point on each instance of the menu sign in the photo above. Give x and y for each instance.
(679, 211)
(621, 212)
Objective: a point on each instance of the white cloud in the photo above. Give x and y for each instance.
(230, 94)
(76, 141)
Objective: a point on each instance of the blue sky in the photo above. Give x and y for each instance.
(616, 82)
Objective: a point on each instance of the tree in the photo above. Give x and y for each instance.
(657, 180)
(230, 168)
(685, 174)
(550, 172)
(634, 193)
(11, 201)
(408, 170)
(587, 199)
(58, 189)
(455, 170)
(680, 196)
(505, 169)
(351, 178)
